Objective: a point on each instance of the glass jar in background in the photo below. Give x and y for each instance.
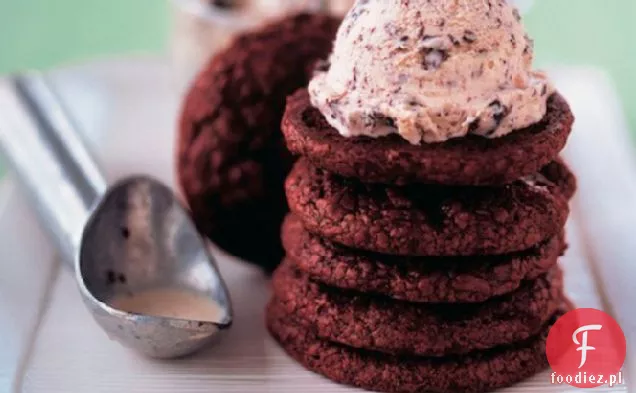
(202, 27)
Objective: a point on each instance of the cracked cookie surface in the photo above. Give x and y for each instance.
(231, 158)
(396, 327)
(472, 373)
(423, 279)
(428, 220)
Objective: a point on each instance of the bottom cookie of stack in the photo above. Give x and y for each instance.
(474, 372)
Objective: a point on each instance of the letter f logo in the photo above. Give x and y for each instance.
(583, 344)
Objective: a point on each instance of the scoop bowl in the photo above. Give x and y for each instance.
(139, 239)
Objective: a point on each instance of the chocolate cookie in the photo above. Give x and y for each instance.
(231, 159)
(416, 279)
(471, 160)
(475, 372)
(427, 220)
(391, 326)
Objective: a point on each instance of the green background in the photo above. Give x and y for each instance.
(49, 33)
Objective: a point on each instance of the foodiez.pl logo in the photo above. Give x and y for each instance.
(586, 348)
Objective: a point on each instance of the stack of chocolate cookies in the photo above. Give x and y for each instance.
(426, 267)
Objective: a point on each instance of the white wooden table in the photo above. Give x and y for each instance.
(127, 108)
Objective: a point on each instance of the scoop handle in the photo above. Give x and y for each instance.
(40, 142)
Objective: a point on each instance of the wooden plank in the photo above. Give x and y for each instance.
(26, 268)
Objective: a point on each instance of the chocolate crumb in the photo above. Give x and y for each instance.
(433, 58)
(499, 111)
(530, 45)
(377, 120)
(473, 126)
(469, 36)
(403, 42)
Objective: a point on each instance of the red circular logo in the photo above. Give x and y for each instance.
(586, 348)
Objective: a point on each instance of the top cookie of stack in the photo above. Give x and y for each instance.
(442, 92)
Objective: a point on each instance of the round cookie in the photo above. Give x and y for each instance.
(231, 158)
(391, 326)
(476, 372)
(423, 279)
(471, 160)
(427, 220)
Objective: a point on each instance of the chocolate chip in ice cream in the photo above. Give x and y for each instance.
(433, 58)
(469, 36)
(499, 111)
(403, 42)
(454, 40)
(488, 124)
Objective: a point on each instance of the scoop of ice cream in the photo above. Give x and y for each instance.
(431, 71)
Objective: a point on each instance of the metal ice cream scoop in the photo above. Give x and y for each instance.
(132, 246)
